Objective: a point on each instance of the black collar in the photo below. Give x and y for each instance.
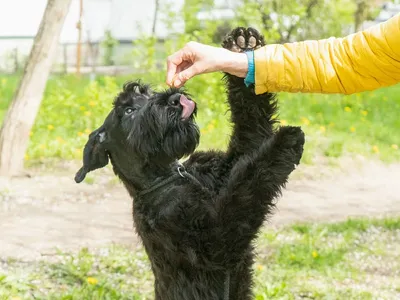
(179, 172)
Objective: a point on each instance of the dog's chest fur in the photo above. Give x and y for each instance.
(174, 259)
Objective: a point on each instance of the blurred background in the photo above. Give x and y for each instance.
(336, 232)
(121, 40)
(112, 30)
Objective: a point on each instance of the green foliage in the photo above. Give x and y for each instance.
(287, 20)
(191, 9)
(361, 124)
(310, 261)
(339, 125)
(109, 43)
(144, 53)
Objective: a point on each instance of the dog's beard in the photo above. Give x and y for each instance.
(160, 134)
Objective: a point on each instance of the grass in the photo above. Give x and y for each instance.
(354, 259)
(361, 124)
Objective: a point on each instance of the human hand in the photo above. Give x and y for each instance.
(196, 58)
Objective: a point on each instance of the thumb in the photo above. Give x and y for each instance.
(185, 75)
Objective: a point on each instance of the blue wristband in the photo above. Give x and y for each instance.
(250, 77)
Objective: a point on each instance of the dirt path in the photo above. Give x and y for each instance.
(43, 212)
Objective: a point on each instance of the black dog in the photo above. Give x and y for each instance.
(197, 220)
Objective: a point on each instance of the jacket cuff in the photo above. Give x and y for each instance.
(250, 77)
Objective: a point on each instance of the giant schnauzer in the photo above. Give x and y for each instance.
(197, 219)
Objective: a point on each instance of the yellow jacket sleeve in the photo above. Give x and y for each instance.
(362, 61)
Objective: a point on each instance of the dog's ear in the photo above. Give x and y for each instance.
(95, 156)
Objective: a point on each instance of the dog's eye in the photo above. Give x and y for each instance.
(129, 111)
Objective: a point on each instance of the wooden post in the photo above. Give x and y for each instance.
(79, 45)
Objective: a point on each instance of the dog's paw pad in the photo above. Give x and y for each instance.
(241, 39)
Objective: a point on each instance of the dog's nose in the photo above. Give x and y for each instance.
(174, 99)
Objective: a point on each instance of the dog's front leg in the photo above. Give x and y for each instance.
(253, 116)
(255, 181)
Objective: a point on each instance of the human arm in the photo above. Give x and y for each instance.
(363, 61)
(196, 58)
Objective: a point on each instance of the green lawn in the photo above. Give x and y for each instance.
(355, 259)
(362, 124)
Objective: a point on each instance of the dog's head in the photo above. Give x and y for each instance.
(144, 126)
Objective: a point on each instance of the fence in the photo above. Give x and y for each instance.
(95, 58)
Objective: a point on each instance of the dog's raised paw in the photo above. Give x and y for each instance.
(291, 137)
(243, 39)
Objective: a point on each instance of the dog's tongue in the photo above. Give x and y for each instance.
(188, 107)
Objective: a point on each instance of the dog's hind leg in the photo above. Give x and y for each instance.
(252, 115)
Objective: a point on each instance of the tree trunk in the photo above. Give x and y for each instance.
(14, 134)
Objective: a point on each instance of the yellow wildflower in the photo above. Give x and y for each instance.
(352, 129)
(210, 126)
(87, 130)
(305, 121)
(30, 133)
(92, 103)
(364, 113)
(42, 146)
(26, 157)
(203, 131)
(92, 280)
(260, 267)
(82, 108)
(314, 254)
(375, 149)
(322, 128)
(80, 133)
(395, 147)
(347, 109)
(59, 139)
(50, 127)
(87, 113)
(283, 122)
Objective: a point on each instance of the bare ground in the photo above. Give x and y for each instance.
(49, 210)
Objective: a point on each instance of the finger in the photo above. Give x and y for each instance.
(183, 66)
(185, 75)
(173, 62)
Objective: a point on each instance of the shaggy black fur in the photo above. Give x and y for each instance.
(199, 227)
